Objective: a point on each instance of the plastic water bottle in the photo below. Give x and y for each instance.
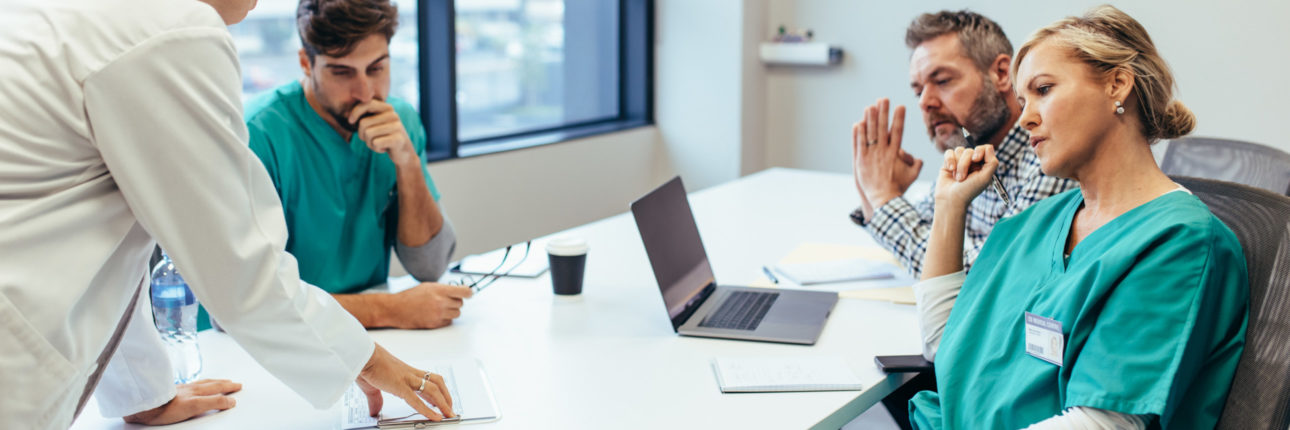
(174, 310)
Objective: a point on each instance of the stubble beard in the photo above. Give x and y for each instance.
(988, 115)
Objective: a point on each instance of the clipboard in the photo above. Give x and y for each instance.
(472, 395)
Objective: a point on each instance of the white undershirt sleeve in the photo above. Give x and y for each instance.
(934, 299)
(1082, 418)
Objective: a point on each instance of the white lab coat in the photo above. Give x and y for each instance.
(121, 124)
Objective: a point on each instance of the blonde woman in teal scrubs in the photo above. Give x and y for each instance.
(1121, 304)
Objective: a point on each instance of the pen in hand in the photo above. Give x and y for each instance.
(994, 179)
(770, 275)
(998, 188)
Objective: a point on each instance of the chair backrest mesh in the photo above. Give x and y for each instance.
(1260, 394)
(1229, 160)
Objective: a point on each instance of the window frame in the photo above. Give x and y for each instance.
(436, 31)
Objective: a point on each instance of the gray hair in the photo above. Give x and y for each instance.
(981, 38)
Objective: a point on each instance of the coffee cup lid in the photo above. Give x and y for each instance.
(566, 246)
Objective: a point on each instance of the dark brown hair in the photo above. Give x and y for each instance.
(981, 38)
(333, 27)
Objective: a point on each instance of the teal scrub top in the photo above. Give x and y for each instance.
(1153, 308)
(339, 197)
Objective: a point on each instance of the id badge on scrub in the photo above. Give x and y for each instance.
(1044, 339)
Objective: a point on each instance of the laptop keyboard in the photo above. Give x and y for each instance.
(742, 310)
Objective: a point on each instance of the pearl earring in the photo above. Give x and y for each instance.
(1119, 110)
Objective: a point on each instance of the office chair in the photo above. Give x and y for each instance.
(1229, 160)
(1260, 394)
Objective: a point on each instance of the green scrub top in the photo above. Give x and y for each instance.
(1153, 308)
(339, 197)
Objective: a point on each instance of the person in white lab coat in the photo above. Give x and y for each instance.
(120, 127)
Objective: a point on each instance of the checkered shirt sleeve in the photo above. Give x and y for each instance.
(903, 227)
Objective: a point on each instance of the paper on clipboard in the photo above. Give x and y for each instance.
(473, 400)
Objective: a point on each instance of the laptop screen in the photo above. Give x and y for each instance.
(672, 241)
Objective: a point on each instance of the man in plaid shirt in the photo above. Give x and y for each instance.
(960, 71)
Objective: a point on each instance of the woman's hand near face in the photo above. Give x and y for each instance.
(964, 174)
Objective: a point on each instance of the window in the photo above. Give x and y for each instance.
(490, 75)
(268, 46)
(533, 65)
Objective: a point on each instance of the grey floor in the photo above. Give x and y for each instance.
(876, 418)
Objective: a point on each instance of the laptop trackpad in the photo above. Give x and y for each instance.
(795, 308)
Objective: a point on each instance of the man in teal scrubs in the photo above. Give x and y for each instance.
(348, 163)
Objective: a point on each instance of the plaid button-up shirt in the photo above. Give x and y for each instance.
(903, 227)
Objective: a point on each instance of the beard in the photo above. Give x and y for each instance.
(342, 118)
(338, 113)
(341, 115)
(988, 115)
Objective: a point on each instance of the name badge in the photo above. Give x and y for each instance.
(1044, 339)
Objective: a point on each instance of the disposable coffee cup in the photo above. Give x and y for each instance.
(568, 258)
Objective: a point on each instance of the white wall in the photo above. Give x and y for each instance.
(698, 51)
(1228, 59)
(504, 198)
(709, 89)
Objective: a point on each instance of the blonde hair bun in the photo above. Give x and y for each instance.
(1177, 122)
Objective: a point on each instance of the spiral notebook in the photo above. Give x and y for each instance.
(780, 374)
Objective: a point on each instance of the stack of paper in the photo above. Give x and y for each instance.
(773, 374)
(897, 295)
(829, 271)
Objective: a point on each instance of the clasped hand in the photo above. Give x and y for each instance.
(882, 169)
(965, 174)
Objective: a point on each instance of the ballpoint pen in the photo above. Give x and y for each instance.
(994, 179)
(998, 188)
(770, 275)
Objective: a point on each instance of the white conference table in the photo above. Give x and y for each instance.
(609, 357)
